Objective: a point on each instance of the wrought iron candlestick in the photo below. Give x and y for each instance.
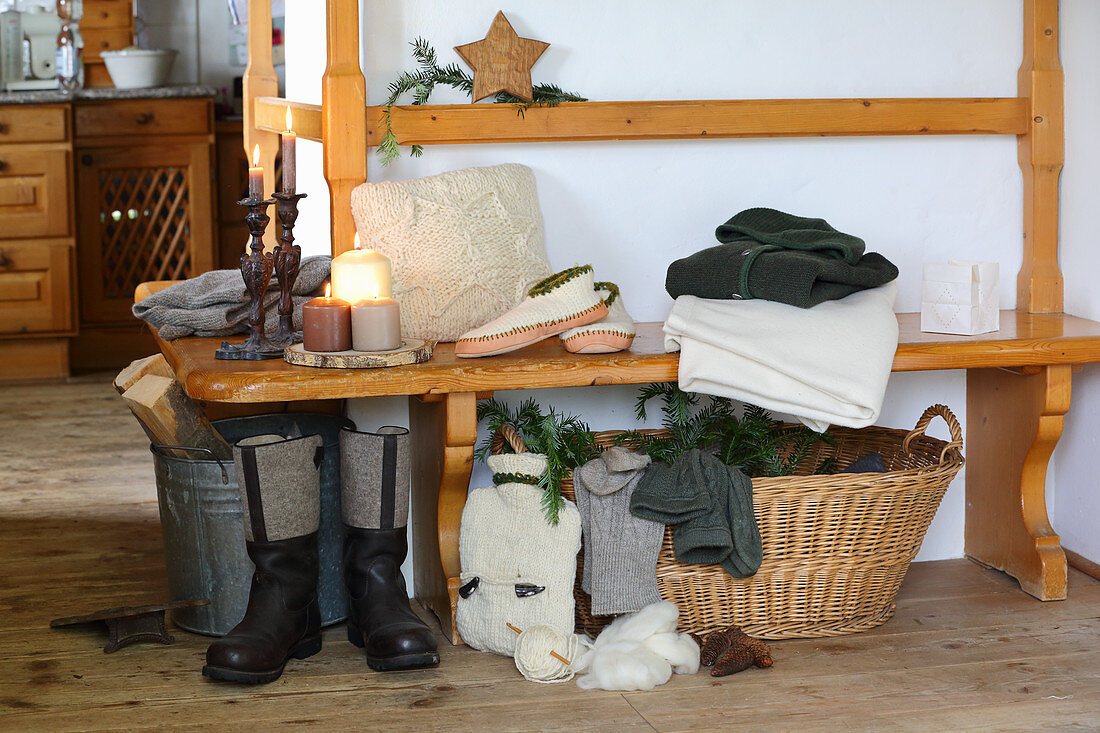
(256, 269)
(287, 258)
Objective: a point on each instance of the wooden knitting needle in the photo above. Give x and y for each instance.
(553, 653)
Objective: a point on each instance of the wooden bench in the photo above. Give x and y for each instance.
(1018, 379)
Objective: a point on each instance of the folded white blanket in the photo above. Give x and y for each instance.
(825, 365)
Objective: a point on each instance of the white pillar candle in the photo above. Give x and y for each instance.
(361, 274)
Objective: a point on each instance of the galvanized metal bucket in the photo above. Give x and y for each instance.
(200, 515)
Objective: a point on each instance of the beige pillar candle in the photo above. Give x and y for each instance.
(375, 325)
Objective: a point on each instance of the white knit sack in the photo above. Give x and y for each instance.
(465, 245)
(505, 540)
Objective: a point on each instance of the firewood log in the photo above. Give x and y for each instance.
(172, 418)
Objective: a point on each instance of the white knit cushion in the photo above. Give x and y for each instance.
(505, 540)
(465, 245)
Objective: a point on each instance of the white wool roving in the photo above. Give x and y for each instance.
(639, 651)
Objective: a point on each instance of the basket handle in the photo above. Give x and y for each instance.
(943, 411)
(511, 436)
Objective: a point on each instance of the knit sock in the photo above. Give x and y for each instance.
(558, 303)
(620, 550)
(613, 332)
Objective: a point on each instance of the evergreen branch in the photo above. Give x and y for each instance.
(423, 81)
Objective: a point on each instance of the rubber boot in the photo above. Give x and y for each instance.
(280, 484)
(375, 508)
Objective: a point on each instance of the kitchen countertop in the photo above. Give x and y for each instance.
(106, 93)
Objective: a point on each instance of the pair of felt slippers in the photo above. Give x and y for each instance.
(588, 317)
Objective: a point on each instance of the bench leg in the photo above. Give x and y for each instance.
(1014, 421)
(444, 431)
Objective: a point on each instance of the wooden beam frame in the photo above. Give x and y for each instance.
(461, 124)
(260, 81)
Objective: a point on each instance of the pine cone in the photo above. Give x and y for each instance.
(716, 645)
(761, 653)
(738, 658)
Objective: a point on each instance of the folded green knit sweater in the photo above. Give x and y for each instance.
(709, 505)
(772, 255)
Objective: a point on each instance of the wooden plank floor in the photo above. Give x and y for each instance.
(79, 531)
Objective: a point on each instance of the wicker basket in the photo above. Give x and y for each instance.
(836, 547)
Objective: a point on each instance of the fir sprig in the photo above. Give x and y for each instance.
(429, 74)
(755, 442)
(565, 440)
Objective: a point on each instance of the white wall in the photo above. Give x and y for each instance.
(631, 208)
(1075, 498)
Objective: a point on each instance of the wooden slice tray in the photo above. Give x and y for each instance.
(411, 351)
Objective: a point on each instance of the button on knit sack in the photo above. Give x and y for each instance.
(465, 245)
(517, 568)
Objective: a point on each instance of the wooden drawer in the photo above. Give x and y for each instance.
(34, 192)
(107, 14)
(35, 291)
(29, 124)
(98, 40)
(129, 117)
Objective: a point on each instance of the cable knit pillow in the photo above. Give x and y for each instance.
(465, 245)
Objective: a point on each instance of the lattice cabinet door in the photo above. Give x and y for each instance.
(144, 213)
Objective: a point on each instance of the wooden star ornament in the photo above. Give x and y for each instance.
(502, 61)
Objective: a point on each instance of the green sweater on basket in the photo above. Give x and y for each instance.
(771, 255)
(709, 506)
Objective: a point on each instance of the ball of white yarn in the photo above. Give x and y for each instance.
(534, 659)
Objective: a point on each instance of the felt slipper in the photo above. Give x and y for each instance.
(562, 301)
(613, 332)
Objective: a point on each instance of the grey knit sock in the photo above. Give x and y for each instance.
(280, 484)
(620, 550)
(374, 469)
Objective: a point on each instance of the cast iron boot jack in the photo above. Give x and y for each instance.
(375, 506)
(280, 485)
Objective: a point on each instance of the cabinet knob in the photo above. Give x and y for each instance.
(5, 260)
(3, 165)
(5, 128)
(86, 159)
(144, 118)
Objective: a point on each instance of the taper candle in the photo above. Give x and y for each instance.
(290, 145)
(256, 176)
(326, 324)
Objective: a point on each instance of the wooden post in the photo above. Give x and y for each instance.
(344, 121)
(444, 433)
(1041, 152)
(260, 81)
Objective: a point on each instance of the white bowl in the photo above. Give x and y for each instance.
(138, 68)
